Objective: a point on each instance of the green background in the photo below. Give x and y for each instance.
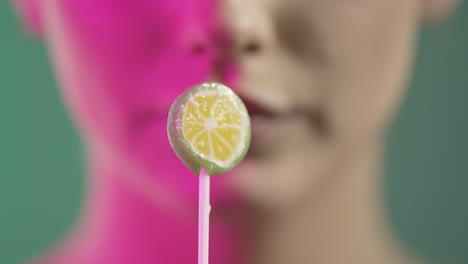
(41, 165)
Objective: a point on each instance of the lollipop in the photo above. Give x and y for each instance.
(209, 130)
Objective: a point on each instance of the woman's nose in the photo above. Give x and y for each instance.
(244, 36)
(249, 26)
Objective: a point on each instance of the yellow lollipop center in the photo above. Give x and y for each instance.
(214, 126)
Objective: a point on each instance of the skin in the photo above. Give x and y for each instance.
(327, 76)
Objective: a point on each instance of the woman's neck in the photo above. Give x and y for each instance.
(343, 223)
(120, 223)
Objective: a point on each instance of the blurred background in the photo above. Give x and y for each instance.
(41, 163)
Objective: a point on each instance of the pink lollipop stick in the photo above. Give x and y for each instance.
(204, 209)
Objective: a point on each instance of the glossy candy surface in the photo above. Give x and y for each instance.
(209, 127)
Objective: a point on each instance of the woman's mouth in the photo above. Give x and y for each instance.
(265, 121)
(270, 125)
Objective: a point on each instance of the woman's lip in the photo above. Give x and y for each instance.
(264, 128)
(146, 117)
(265, 121)
(258, 109)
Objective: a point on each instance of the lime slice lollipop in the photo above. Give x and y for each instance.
(209, 128)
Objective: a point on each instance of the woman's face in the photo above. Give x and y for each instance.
(320, 78)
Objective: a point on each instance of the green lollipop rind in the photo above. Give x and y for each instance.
(193, 160)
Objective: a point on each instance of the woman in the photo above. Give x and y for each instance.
(321, 80)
